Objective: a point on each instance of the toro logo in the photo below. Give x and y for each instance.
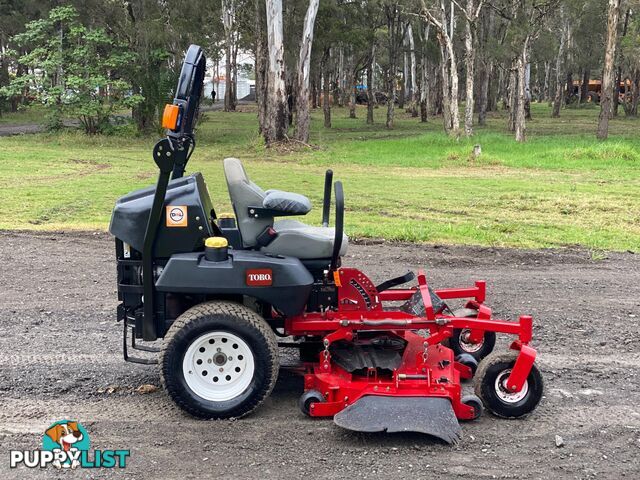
(259, 277)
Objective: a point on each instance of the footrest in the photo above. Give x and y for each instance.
(375, 413)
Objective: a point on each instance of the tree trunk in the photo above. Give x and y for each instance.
(616, 97)
(304, 71)
(424, 78)
(261, 64)
(545, 90)
(392, 14)
(557, 102)
(527, 90)
(314, 93)
(512, 92)
(569, 88)
(326, 94)
(453, 73)
(520, 116)
(486, 29)
(228, 21)
(370, 95)
(339, 87)
(413, 90)
(608, 73)
(635, 93)
(277, 115)
(446, 105)
(451, 116)
(352, 97)
(469, 61)
(403, 82)
(584, 88)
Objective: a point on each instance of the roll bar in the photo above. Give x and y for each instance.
(180, 117)
(339, 229)
(326, 204)
(171, 155)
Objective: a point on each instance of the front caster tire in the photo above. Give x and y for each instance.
(474, 402)
(490, 380)
(307, 398)
(459, 341)
(219, 360)
(460, 344)
(468, 361)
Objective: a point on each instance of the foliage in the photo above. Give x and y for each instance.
(74, 70)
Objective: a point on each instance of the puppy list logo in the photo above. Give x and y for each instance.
(65, 444)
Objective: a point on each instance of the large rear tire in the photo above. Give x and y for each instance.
(219, 360)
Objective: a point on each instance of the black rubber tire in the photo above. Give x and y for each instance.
(486, 349)
(468, 361)
(485, 378)
(307, 398)
(225, 316)
(474, 402)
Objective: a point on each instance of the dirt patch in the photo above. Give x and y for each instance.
(60, 356)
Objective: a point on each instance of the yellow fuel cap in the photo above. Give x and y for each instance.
(216, 242)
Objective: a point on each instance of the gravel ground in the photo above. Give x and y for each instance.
(60, 357)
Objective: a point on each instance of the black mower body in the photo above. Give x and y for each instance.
(131, 214)
(182, 274)
(290, 281)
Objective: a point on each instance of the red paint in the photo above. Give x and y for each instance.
(360, 308)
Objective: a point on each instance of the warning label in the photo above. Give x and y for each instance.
(176, 216)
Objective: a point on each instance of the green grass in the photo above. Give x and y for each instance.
(413, 183)
(34, 114)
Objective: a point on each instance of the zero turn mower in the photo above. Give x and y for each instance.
(219, 291)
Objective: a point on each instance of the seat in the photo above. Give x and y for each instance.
(293, 238)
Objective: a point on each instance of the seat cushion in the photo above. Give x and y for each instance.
(299, 240)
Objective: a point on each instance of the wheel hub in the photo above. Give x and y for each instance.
(504, 393)
(466, 344)
(218, 366)
(220, 358)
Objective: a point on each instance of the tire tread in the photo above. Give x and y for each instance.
(218, 308)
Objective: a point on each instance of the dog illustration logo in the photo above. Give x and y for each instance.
(65, 444)
(68, 438)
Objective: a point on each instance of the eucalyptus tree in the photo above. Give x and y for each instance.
(608, 87)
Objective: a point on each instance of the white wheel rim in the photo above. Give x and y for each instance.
(504, 394)
(218, 366)
(468, 346)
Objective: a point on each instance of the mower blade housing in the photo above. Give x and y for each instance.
(376, 413)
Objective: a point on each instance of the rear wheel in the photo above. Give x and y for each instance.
(219, 360)
(490, 386)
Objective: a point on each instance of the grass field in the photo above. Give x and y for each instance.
(34, 114)
(413, 183)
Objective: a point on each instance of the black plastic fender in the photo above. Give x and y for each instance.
(243, 273)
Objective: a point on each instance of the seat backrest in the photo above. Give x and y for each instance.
(244, 194)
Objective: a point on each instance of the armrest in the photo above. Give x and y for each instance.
(278, 203)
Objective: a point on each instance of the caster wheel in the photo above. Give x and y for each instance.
(476, 403)
(460, 344)
(307, 398)
(468, 360)
(490, 386)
